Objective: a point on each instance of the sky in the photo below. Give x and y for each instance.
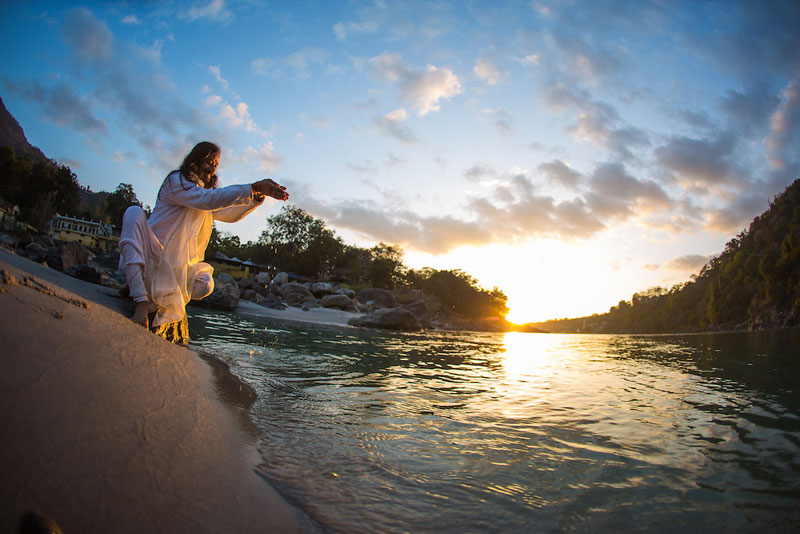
(570, 153)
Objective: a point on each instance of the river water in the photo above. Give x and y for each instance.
(368, 431)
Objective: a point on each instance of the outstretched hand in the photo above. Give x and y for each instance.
(270, 188)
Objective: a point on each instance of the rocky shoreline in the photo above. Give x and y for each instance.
(406, 310)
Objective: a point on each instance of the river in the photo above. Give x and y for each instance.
(369, 431)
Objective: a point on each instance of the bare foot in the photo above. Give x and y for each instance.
(140, 314)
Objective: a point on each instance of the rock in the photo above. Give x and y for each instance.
(9, 241)
(295, 288)
(381, 297)
(249, 294)
(419, 309)
(341, 302)
(273, 303)
(280, 279)
(349, 293)
(298, 299)
(262, 279)
(389, 319)
(321, 289)
(63, 257)
(109, 260)
(45, 240)
(246, 283)
(87, 273)
(225, 296)
(36, 252)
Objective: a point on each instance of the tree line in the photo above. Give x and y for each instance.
(753, 283)
(42, 188)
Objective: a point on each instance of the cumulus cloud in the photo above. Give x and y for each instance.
(736, 215)
(266, 156)
(239, 117)
(392, 125)
(425, 89)
(561, 173)
(488, 71)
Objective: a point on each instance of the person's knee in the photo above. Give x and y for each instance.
(203, 286)
(133, 215)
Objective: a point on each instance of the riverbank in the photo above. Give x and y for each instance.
(108, 428)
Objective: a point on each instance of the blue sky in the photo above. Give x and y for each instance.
(570, 153)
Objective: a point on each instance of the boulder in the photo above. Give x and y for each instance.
(290, 288)
(349, 293)
(249, 294)
(36, 252)
(72, 253)
(262, 279)
(273, 303)
(341, 302)
(225, 296)
(9, 240)
(320, 289)
(246, 283)
(280, 279)
(299, 299)
(419, 309)
(85, 272)
(380, 297)
(109, 260)
(389, 319)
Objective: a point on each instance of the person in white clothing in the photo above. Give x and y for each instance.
(162, 257)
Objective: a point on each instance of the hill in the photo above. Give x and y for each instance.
(754, 283)
(12, 135)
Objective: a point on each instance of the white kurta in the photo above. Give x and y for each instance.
(172, 244)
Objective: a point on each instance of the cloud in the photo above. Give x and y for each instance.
(130, 19)
(61, 105)
(596, 122)
(239, 117)
(615, 194)
(392, 125)
(88, 38)
(266, 156)
(690, 262)
(212, 11)
(486, 70)
(424, 89)
(265, 66)
(784, 136)
(737, 214)
(501, 119)
(560, 173)
(701, 165)
(302, 60)
(216, 71)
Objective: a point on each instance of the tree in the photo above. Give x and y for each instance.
(301, 243)
(386, 267)
(117, 202)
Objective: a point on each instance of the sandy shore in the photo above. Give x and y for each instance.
(108, 428)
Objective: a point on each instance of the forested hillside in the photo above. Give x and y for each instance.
(754, 283)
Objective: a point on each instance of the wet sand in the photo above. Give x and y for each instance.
(108, 428)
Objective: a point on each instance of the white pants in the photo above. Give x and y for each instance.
(138, 247)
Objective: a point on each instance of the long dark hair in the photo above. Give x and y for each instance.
(191, 163)
(191, 166)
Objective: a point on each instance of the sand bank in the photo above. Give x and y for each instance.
(108, 428)
(327, 316)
